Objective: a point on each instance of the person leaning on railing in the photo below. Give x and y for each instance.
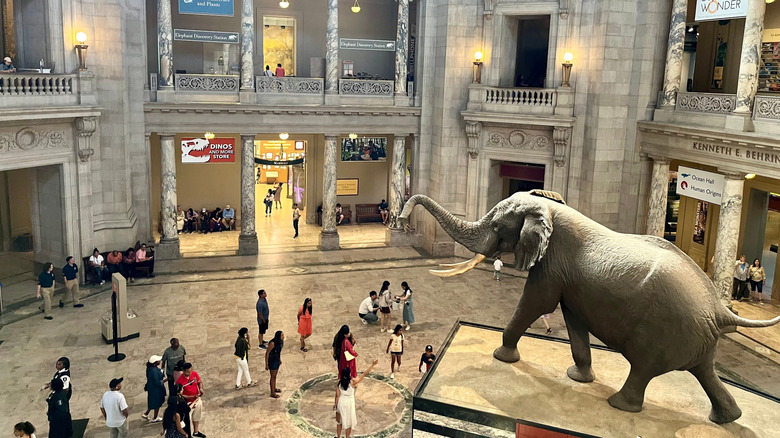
(7, 66)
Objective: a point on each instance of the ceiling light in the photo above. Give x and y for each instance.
(209, 135)
(284, 136)
(356, 7)
(352, 136)
(284, 4)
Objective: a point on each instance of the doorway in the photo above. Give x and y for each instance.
(533, 38)
(279, 43)
(521, 177)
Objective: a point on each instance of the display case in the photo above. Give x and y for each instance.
(769, 70)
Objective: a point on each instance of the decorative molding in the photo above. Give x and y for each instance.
(518, 139)
(489, 6)
(561, 140)
(473, 131)
(289, 85)
(767, 107)
(711, 103)
(85, 127)
(27, 139)
(363, 87)
(207, 83)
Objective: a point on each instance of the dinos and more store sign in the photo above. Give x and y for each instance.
(201, 150)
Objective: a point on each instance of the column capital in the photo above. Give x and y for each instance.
(731, 174)
(660, 159)
(332, 136)
(252, 136)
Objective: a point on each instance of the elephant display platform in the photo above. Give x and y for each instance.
(469, 390)
(640, 295)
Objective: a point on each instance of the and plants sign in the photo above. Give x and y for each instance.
(700, 184)
(201, 150)
(707, 10)
(205, 36)
(222, 8)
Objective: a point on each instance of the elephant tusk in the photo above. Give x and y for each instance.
(459, 268)
(455, 265)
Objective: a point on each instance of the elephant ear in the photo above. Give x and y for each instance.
(534, 236)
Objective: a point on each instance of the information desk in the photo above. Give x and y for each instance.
(469, 391)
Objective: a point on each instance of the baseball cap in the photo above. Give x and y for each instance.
(429, 348)
(186, 366)
(115, 382)
(7, 59)
(154, 358)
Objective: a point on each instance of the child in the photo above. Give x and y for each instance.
(497, 265)
(396, 349)
(427, 358)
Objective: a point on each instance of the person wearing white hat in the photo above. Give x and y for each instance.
(7, 66)
(155, 388)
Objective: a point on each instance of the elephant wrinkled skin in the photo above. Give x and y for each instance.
(640, 295)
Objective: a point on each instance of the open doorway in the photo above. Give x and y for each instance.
(521, 177)
(533, 38)
(279, 44)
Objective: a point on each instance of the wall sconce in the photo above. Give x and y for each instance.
(567, 69)
(81, 50)
(284, 136)
(209, 136)
(352, 135)
(752, 175)
(477, 67)
(284, 4)
(356, 7)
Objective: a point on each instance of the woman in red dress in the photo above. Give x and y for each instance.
(304, 323)
(343, 352)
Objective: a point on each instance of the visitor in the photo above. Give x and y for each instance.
(113, 261)
(344, 405)
(368, 308)
(178, 370)
(278, 196)
(396, 349)
(740, 289)
(408, 305)
(270, 74)
(191, 220)
(545, 317)
(113, 406)
(171, 356)
(296, 217)
(63, 373)
(229, 218)
(155, 389)
(25, 429)
(343, 351)
(757, 279)
(497, 265)
(180, 217)
(46, 289)
(7, 66)
(269, 202)
(98, 266)
(279, 71)
(58, 413)
(273, 360)
(242, 356)
(205, 224)
(71, 274)
(184, 410)
(385, 303)
(304, 323)
(383, 210)
(192, 390)
(172, 420)
(215, 220)
(427, 359)
(339, 214)
(128, 264)
(142, 260)
(262, 316)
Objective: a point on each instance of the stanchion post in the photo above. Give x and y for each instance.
(117, 356)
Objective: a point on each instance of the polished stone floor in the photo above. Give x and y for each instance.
(204, 301)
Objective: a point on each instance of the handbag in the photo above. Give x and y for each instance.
(349, 356)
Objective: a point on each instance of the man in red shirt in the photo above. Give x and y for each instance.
(279, 71)
(192, 390)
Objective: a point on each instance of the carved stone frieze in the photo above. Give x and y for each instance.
(29, 138)
(519, 139)
(473, 131)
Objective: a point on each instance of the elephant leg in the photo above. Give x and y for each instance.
(632, 394)
(528, 310)
(724, 407)
(580, 347)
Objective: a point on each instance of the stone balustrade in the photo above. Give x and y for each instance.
(710, 103)
(289, 85)
(532, 101)
(766, 107)
(211, 84)
(22, 90)
(365, 87)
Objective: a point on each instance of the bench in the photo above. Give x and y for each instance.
(345, 210)
(367, 211)
(89, 275)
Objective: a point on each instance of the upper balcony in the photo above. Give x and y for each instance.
(44, 90)
(539, 106)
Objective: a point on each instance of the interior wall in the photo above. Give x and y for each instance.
(506, 64)
(20, 188)
(48, 229)
(755, 227)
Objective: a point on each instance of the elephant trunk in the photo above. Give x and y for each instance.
(473, 235)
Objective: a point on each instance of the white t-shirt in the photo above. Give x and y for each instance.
(114, 403)
(96, 260)
(396, 346)
(497, 265)
(367, 306)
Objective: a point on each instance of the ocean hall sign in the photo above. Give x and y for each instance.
(749, 156)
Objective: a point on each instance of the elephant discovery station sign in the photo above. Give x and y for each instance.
(700, 184)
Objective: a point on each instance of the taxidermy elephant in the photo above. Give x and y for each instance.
(640, 295)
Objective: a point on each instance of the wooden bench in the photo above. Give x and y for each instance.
(345, 210)
(367, 211)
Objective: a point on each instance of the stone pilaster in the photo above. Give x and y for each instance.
(561, 138)
(168, 248)
(247, 240)
(728, 236)
(401, 53)
(247, 46)
(329, 236)
(674, 53)
(332, 49)
(656, 202)
(747, 83)
(165, 43)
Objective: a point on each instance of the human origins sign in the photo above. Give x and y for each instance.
(201, 150)
(700, 184)
(206, 7)
(707, 10)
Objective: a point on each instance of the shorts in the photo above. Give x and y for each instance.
(197, 411)
(263, 326)
(397, 353)
(757, 285)
(384, 309)
(274, 364)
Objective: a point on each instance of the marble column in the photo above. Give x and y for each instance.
(329, 236)
(395, 234)
(247, 240)
(747, 82)
(247, 45)
(656, 203)
(401, 49)
(165, 43)
(168, 248)
(728, 236)
(332, 49)
(674, 54)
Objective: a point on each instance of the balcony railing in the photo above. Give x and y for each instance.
(216, 84)
(766, 108)
(289, 85)
(710, 103)
(542, 101)
(365, 87)
(22, 90)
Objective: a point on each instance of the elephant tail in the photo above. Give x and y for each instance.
(744, 322)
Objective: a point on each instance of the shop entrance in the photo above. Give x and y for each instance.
(520, 177)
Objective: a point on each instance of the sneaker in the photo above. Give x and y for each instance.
(239, 386)
(761, 303)
(102, 282)
(251, 384)
(363, 321)
(48, 317)
(264, 346)
(157, 420)
(408, 327)
(78, 305)
(199, 434)
(145, 416)
(62, 304)
(392, 376)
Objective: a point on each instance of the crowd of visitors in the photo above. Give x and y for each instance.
(206, 221)
(748, 274)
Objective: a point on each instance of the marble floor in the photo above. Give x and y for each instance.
(204, 301)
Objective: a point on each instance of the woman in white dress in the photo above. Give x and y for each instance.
(346, 417)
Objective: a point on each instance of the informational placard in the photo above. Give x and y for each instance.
(201, 150)
(347, 187)
(707, 10)
(205, 36)
(700, 184)
(362, 44)
(771, 35)
(222, 8)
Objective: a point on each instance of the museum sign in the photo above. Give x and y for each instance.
(222, 8)
(707, 10)
(205, 36)
(742, 153)
(360, 44)
(700, 184)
